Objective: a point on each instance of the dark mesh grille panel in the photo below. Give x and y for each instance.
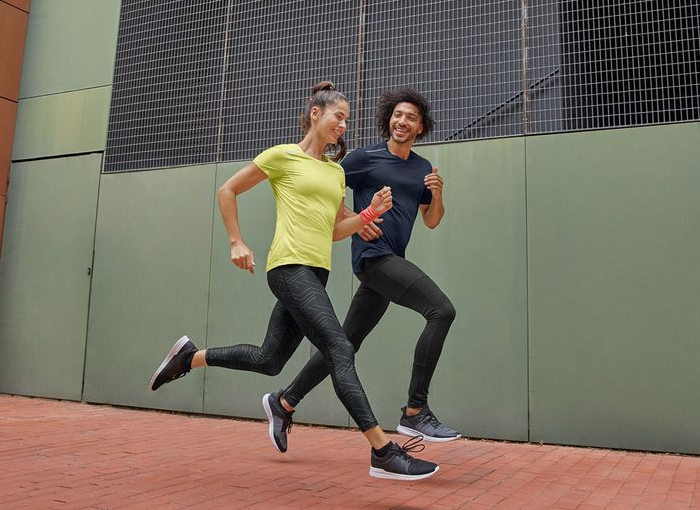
(200, 81)
(543, 95)
(465, 59)
(167, 84)
(277, 51)
(631, 63)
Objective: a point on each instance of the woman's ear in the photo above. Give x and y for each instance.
(315, 112)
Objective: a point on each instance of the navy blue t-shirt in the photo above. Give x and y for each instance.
(369, 169)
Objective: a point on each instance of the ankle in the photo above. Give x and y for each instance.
(199, 359)
(381, 452)
(412, 411)
(286, 405)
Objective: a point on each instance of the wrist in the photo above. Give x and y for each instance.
(368, 215)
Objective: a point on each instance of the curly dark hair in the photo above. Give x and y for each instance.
(388, 101)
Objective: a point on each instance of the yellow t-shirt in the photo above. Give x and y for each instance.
(308, 193)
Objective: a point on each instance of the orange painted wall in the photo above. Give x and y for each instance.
(14, 15)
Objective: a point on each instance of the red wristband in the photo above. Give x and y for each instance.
(369, 215)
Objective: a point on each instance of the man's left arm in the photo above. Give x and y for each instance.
(435, 210)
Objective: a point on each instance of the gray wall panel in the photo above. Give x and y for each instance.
(151, 284)
(71, 45)
(61, 124)
(44, 279)
(614, 288)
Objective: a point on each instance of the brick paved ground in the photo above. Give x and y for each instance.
(68, 455)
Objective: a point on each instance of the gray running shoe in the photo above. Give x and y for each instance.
(280, 420)
(397, 464)
(173, 366)
(427, 425)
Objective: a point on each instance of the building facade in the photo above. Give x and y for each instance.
(568, 140)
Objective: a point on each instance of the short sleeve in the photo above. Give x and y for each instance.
(270, 162)
(355, 166)
(341, 177)
(427, 195)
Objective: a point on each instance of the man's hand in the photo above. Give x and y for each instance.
(434, 183)
(381, 201)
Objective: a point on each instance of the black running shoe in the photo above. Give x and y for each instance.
(427, 425)
(173, 366)
(399, 465)
(280, 420)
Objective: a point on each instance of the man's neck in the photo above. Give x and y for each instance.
(400, 150)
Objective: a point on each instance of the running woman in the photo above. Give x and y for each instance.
(402, 116)
(309, 190)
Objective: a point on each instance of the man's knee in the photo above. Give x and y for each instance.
(449, 312)
(443, 311)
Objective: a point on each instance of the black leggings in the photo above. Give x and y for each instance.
(383, 280)
(303, 309)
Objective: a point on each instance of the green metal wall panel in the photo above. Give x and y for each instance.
(44, 280)
(614, 287)
(240, 306)
(477, 257)
(71, 45)
(69, 123)
(150, 284)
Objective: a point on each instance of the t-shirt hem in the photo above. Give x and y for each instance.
(289, 262)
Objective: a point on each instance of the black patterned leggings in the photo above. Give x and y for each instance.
(386, 279)
(303, 309)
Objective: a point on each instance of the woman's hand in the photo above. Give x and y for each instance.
(381, 201)
(242, 256)
(371, 232)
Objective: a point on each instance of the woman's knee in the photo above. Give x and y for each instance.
(341, 354)
(271, 367)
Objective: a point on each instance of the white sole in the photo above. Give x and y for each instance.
(271, 427)
(413, 433)
(380, 473)
(171, 354)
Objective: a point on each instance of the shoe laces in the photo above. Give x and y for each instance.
(412, 445)
(431, 419)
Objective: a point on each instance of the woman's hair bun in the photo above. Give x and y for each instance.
(322, 85)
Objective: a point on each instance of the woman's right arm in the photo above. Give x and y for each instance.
(240, 182)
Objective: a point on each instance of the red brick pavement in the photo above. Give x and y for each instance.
(68, 455)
